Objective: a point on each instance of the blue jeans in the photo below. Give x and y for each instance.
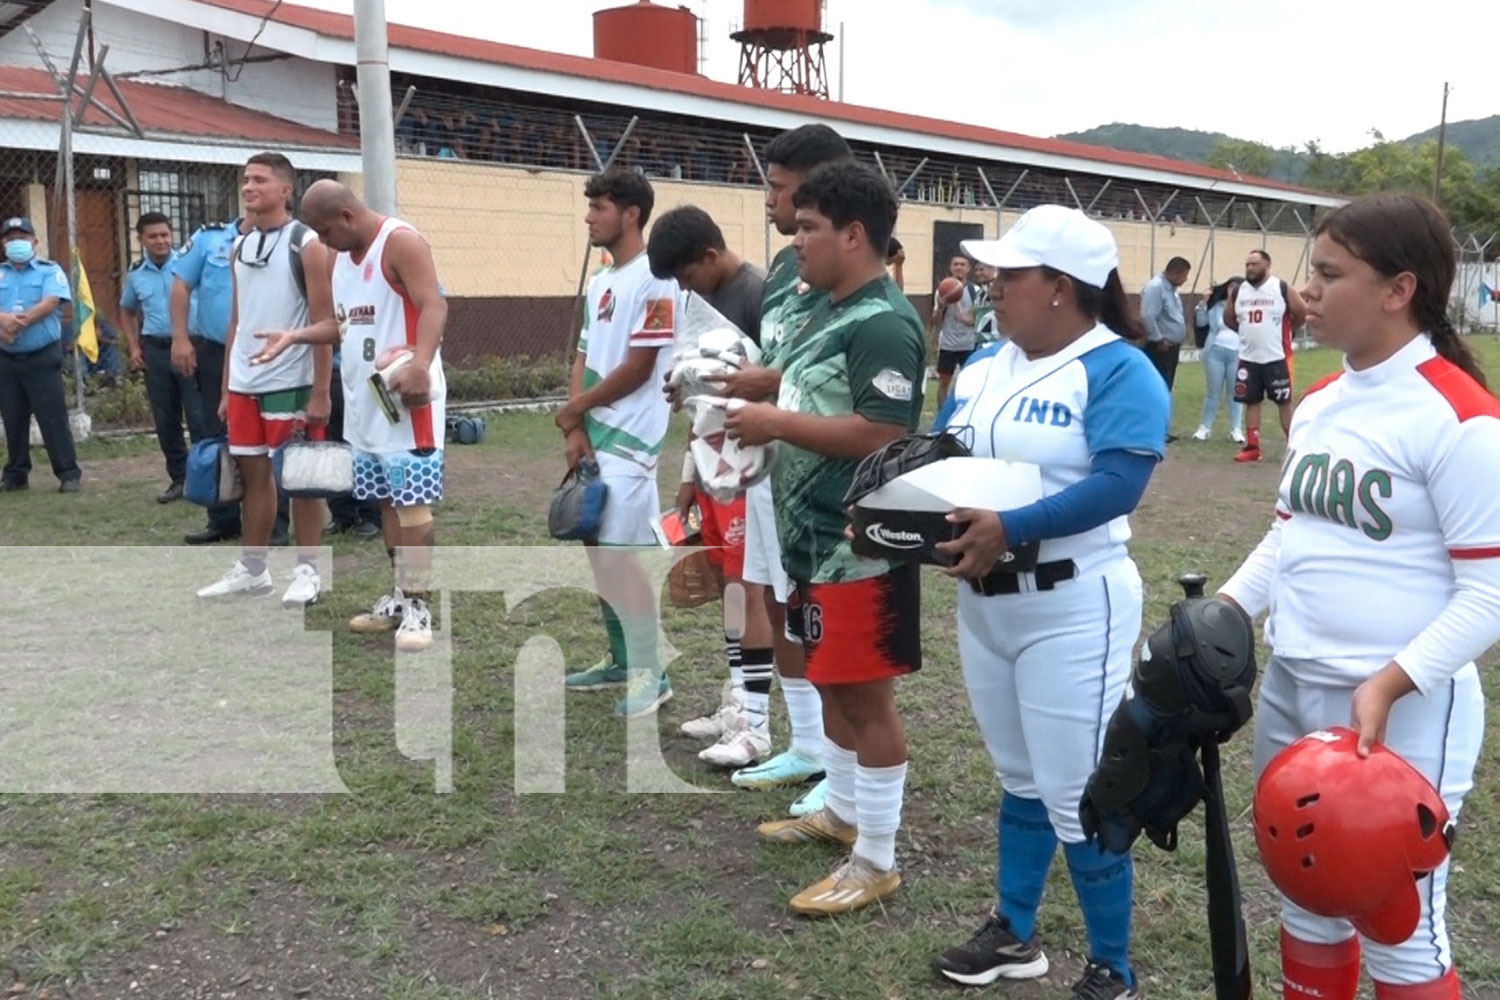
(1219, 365)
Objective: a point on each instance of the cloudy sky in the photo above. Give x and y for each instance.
(1278, 71)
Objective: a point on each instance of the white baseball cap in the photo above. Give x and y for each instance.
(1063, 239)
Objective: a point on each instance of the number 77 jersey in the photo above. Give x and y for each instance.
(374, 316)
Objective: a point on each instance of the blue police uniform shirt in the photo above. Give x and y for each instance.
(148, 288)
(204, 266)
(23, 287)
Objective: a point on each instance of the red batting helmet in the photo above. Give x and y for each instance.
(1342, 836)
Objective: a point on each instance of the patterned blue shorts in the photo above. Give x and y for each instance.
(404, 478)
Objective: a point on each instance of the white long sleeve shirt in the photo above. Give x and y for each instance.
(1387, 539)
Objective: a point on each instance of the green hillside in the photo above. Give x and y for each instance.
(1479, 140)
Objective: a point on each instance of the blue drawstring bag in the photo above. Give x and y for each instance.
(213, 476)
(577, 507)
(465, 430)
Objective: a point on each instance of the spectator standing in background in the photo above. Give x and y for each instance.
(146, 321)
(1161, 311)
(1220, 356)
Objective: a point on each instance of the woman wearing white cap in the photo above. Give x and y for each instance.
(1046, 652)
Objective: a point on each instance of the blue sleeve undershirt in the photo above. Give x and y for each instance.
(1114, 486)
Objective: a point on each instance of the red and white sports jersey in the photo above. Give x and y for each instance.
(1265, 321)
(1387, 545)
(374, 316)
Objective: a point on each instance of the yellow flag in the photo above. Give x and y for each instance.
(87, 334)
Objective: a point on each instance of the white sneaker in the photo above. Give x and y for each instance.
(240, 581)
(414, 634)
(740, 746)
(383, 617)
(713, 725)
(305, 587)
(1201, 434)
(1237, 436)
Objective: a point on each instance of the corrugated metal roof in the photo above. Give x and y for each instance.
(336, 25)
(162, 110)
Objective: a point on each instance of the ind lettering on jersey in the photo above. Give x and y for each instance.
(1030, 410)
(1336, 491)
(361, 316)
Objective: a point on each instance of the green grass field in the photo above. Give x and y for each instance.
(399, 893)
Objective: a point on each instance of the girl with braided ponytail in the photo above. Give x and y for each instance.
(1382, 568)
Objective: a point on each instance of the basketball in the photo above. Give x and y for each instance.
(950, 290)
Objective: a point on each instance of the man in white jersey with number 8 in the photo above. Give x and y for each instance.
(387, 305)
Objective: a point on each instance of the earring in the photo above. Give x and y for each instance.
(1055, 303)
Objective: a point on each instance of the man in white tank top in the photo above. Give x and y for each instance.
(387, 302)
(279, 272)
(1264, 310)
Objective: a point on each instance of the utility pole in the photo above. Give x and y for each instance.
(1437, 181)
(377, 129)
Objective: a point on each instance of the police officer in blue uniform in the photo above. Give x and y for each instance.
(146, 320)
(32, 292)
(202, 301)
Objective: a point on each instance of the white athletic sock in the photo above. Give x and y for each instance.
(839, 766)
(736, 657)
(757, 671)
(878, 794)
(804, 710)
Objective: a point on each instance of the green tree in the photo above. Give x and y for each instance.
(1324, 171)
(1250, 159)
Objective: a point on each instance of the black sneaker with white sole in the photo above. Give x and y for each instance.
(994, 952)
(1100, 982)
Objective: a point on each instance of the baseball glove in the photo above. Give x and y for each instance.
(900, 457)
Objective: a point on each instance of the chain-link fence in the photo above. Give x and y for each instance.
(497, 182)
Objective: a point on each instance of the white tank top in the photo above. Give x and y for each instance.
(374, 316)
(267, 298)
(1265, 321)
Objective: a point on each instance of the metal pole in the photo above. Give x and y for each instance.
(1100, 194)
(1151, 224)
(911, 177)
(999, 216)
(377, 130)
(405, 103)
(1068, 181)
(588, 252)
(72, 209)
(764, 183)
(1437, 180)
(88, 92)
(841, 62)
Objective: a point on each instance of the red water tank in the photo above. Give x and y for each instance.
(798, 15)
(648, 35)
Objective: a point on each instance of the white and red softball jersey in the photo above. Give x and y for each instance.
(374, 316)
(1387, 541)
(1265, 321)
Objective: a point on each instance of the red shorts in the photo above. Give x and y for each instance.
(860, 631)
(259, 424)
(724, 533)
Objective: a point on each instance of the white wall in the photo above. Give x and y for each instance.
(296, 89)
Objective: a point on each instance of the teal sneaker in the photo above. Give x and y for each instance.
(812, 802)
(790, 768)
(647, 691)
(602, 675)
